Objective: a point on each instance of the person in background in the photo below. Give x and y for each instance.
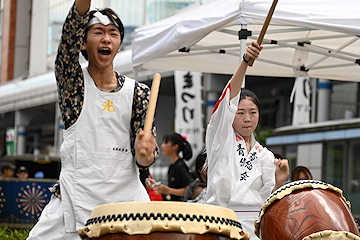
(22, 173)
(7, 170)
(178, 175)
(241, 173)
(301, 173)
(196, 190)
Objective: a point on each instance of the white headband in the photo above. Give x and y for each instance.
(100, 18)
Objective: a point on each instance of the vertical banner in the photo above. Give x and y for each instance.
(301, 113)
(188, 111)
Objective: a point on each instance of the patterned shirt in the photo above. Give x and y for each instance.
(70, 79)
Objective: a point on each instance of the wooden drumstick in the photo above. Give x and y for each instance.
(264, 28)
(151, 108)
(282, 165)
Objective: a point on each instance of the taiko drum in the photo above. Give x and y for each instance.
(302, 208)
(162, 220)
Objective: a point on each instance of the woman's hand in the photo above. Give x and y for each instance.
(253, 51)
(162, 189)
(281, 172)
(150, 183)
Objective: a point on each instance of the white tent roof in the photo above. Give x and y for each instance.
(332, 28)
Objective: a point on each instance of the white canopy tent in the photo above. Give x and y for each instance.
(318, 37)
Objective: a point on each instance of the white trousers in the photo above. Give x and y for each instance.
(248, 226)
(51, 224)
(247, 221)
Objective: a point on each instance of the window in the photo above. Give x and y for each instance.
(291, 156)
(334, 164)
(353, 177)
(58, 10)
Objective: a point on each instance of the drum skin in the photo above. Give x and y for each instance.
(304, 212)
(162, 220)
(160, 236)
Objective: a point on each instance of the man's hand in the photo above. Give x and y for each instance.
(82, 6)
(147, 142)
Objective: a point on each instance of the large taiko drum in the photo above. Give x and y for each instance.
(305, 210)
(162, 220)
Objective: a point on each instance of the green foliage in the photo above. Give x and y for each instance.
(7, 233)
(261, 135)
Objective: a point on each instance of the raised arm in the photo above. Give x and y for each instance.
(82, 6)
(67, 67)
(237, 79)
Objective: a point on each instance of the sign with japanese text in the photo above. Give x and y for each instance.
(301, 113)
(188, 111)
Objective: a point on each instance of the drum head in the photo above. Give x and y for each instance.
(332, 235)
(135, 218)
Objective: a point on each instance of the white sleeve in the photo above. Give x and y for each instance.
(218, 132)
(220, 125)
(268, 175)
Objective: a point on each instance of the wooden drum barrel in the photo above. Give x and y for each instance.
(162, 220)
(306, 210)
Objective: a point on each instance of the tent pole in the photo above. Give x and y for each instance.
(313, 99)
(243, 49)
(144, 12)
(135, 73)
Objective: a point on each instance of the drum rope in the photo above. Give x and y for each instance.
(292, 184)
(153, 216)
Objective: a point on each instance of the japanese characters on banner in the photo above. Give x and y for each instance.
(302, 101)
(188, 111)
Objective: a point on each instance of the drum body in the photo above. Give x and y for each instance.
(162, 220)
(302, 208)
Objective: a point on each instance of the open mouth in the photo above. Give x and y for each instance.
(105, 51)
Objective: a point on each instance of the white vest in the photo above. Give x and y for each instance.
(97, 163)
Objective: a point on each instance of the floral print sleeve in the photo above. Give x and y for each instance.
(140, 105)
(69, 76)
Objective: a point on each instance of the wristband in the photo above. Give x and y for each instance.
(247, 61)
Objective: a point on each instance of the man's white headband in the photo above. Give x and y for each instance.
(100, 18)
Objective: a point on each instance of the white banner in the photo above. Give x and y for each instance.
(188, 111)
(301, 114)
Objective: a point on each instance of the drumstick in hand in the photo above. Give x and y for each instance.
(282, 165)
(264, 28)
(151, 108)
